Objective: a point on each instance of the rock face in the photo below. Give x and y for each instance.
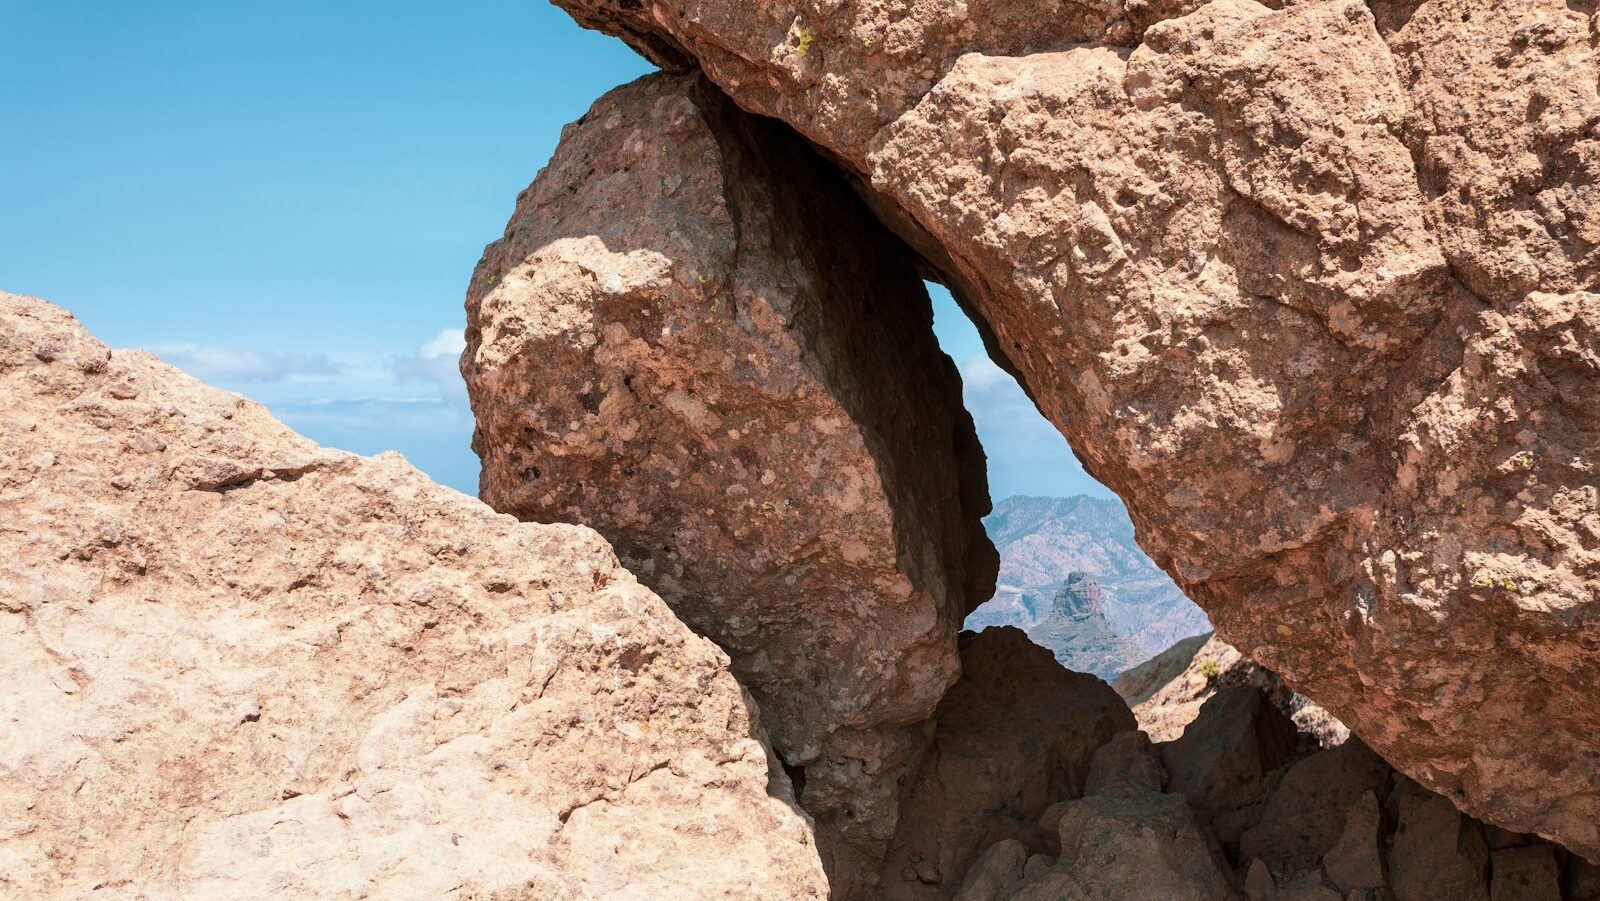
(1231, 809)
(238, 665)
(1167, 691)
(1014, 736)
(1077, 632)
(695, 339)
(1044, 540)
(1311, 288)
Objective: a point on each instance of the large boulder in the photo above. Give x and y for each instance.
(238, 665)
(695, 339)
(1311, 288)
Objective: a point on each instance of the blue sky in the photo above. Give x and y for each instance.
(287, 200)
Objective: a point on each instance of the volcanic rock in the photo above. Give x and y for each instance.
(1138, 846)
(1044, 540)
(1438, 854)
(1077, 632)
(1014, 736)
(1222, 761)
(238, 665)
(695, 339)
(1311, 288)
(1316, 806)
(1168, 690)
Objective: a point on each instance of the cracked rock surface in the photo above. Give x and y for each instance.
(1312, 288)
(239, 665)
(695, 339)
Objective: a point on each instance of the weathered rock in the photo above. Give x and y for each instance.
(1225, 762)
(1131, 848)
(239, 665)
(1127, 764)
(1014, 736)
(1310, 289)
(1311, 809)
(1527, 873)
(1141, 683)
(996, 870)
(694, 339)
(1080, 636)
(1168, 690)
(1438, 854)
(1355, 862)
(1258, 883)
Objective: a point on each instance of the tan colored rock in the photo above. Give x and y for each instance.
(1016, 735)
(1311, 288)
(238, 665)
(694, 339)
(1167, 691)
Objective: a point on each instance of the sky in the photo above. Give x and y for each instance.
(287, 200)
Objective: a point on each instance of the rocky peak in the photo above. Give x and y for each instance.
(1080, 598)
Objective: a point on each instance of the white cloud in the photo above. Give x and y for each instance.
(222, 364)
(449, 342)
(437, 363)
(1026, 453)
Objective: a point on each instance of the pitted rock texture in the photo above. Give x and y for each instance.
(695, 339)
(238, 665)
(1311, 288)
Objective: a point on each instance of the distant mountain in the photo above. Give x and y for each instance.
(1076, 630)
(1043, 540)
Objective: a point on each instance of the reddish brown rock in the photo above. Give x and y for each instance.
(1311, 288)
(238, 665)
(1014, 736)
(696, 340)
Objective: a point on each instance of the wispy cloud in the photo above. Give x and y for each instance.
(225, 365)
(437, 363)
(1026, 453)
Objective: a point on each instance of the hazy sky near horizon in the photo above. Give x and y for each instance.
(287, 200)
